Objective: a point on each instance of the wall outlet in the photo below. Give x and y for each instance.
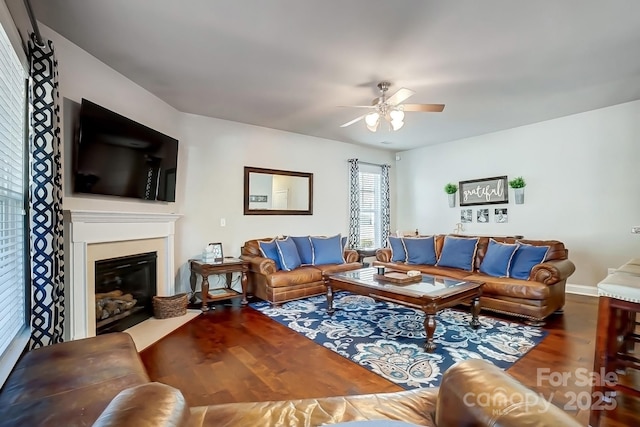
(636, 229)
(223, 222)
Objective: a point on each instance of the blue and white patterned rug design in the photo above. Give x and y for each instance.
(388, 339)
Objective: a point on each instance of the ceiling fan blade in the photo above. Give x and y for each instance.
(357, 119)
(357, 106)
(402, 94)
(428, 108)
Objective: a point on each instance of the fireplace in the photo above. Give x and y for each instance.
(92, 236)
(124, 288)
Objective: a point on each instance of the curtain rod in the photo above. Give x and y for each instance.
(34, 23)
(372, 164)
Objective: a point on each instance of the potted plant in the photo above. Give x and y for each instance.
(518, 185)
(451, 189)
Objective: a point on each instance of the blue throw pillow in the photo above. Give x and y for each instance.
(498, 258)
(420, 250)
(398, 253)
(288, 253)
(327, 250)
(525, 258)
(270, 250)
(305, 250)
(458, 252)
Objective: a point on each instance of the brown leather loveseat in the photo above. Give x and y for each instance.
(534, 298)
(101, 381)
(266, 282)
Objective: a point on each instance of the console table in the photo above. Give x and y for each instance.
(227, 266)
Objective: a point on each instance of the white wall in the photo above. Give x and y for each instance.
(212, 156)
(582, 174)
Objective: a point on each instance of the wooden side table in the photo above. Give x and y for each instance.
(227, 266)
(364, 253)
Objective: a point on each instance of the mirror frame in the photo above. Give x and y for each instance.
(248, 170)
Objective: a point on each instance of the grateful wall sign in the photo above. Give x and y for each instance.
(485, 191)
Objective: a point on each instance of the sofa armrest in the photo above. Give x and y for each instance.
(351, 256)
(551, 272)
(259, 264)
(475, 392)
(146, 405)
(383, 255)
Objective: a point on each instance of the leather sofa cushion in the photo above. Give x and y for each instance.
(338, 268)
(509, 287)
(299, 276)
(413, 406)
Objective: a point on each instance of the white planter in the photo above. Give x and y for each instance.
(519, 194)
(452, 200)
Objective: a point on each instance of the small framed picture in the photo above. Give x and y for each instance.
(216, 253)
(501, 215)
(483, 216)
(466, 216)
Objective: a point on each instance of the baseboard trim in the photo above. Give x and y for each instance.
(590, 291)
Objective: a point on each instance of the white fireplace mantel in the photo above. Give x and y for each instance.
(83, 228)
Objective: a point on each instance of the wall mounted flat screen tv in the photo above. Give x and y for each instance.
(119, 157)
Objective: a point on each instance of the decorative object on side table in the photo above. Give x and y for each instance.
(451, 189)
(518, 185)
(212, 253)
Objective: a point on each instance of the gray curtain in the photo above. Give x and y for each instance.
(354, 204)
(45, 198)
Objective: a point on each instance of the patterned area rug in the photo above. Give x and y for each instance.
(388, 338)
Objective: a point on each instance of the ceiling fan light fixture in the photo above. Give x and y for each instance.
(373, 128)
(372, 119)
(397, 124)
(396, 115)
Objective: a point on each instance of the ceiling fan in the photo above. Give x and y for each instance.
(391, 108)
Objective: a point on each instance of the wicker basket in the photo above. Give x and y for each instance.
(174, 306)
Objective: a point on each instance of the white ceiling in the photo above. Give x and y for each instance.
(290, 64)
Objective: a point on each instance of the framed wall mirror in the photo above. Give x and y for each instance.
(277, 192)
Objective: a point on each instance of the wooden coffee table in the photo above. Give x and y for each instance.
(430, 295)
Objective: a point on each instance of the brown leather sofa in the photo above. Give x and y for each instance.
(101, 381)
(281, 286)
(534, 299)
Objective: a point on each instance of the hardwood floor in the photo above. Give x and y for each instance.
(235, 354)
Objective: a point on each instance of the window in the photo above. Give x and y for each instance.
(370, 178)
(13, 237)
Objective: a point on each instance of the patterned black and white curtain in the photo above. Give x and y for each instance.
(45, 198)
(386, 204)
(354, 203)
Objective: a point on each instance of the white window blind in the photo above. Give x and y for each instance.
(13, 320)
(370, 178)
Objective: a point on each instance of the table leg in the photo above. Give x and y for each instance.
(430, 328)
(243, 282)
(475, 311)
(205, 292)
(330, 308)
